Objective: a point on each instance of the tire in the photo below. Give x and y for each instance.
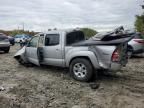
(13, 44)
(7, 50)
(81, 69)
(21, 61)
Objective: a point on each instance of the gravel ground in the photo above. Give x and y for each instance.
(50, 87)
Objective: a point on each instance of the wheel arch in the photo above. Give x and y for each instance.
(82, 57)
(82, 54)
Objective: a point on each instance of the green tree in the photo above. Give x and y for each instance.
(89, 32)
(139, 23)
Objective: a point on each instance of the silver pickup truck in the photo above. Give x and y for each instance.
(69, 48)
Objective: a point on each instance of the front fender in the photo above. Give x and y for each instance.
(89, 54)
(21, 53)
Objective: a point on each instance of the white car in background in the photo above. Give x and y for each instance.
(136, 45)
(21, 37)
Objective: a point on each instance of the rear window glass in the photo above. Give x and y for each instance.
(3, 38)
(139, 36)
(74, 37)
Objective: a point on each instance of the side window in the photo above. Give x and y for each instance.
(74, 37)
(41, 40)
(33, 42)
(52, 39)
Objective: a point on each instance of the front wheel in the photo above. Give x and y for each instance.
(81, 69)
(20, 60)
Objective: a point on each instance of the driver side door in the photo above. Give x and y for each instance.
(32, 51)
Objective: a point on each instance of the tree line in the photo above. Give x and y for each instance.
(88, 32)
(15, 32)
(139, 23)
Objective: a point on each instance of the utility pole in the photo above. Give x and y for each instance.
(18, 29)
(142, 7)
(23, 26)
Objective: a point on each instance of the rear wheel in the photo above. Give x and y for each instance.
(81, 69)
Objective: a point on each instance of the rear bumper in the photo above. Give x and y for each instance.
(111, 67)
(115, 67)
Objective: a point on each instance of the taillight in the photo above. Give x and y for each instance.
(116, 56)
(139, 41)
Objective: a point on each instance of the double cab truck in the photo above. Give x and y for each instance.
(70, 49)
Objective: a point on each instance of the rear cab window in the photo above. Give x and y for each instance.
(74, 37)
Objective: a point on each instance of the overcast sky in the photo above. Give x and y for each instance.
(39, 15)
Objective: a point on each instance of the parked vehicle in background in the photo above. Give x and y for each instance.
(4, 43)
(21, 37)
(70, 49)
(11, 40)
(136, 45)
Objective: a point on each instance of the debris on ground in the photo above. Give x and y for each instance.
(2, 88)
(94, 85)
(48, 87)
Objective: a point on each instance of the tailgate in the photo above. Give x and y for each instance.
(122, 49)
(105, 54)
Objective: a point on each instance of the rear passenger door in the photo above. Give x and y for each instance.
(52, 50)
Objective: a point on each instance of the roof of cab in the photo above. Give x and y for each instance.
(60, 31)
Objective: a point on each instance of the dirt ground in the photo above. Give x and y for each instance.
(50, 87)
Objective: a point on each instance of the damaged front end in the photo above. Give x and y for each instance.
(20, 56)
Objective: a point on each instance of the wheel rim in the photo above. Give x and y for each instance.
(79, 70)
